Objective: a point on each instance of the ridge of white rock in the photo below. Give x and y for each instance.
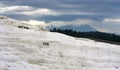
(12, 22)
(29, 49)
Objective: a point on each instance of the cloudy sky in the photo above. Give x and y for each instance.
(104, 15)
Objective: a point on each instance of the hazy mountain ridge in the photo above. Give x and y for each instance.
(79, 28)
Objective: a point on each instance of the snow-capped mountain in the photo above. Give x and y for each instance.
(79, 28)
(30, 49)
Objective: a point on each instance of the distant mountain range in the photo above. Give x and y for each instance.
(81, 28)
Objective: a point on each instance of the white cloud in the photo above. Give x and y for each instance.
(80, 13)
(46, 11)
(39, 11)
(70, 6)
(32, 11)
(60, 23)
(74, 22)
(35, 22)
(74, 12)
(26, 10)
(111, 20)
(57, 23)
(14, 8)
(82, 21)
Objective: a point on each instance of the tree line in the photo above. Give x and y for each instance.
(92, 35)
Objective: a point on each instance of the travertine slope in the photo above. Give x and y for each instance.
(31, 49)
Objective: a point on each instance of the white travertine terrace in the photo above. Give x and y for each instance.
(30, 49)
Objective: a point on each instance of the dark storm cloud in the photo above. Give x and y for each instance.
(104, 7)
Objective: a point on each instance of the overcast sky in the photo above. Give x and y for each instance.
(104, 15)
